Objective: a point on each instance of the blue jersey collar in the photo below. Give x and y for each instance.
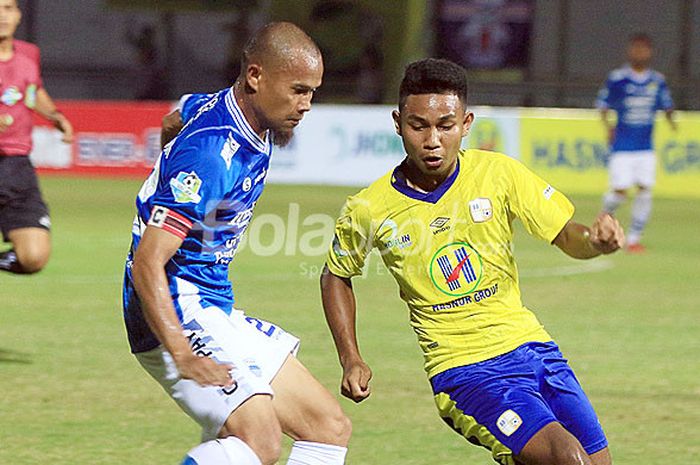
(398, 182)
(243, 125)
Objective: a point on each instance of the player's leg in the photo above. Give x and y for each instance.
(311, 416)
(644, 178)
(24, 218)
(620, 179)
(575, 414)
(553, 445)
(31, 248)
(251, 435)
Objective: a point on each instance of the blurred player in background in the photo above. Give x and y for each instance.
(24, 216)
(221, 366)
(443, 223)
(635, 92)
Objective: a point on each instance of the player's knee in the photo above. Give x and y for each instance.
(265, 442)
(32, 261)
(339, 427)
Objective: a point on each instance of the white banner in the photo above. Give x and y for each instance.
(355, 145)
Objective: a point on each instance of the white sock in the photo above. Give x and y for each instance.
(314, 453)
(641, 211)
(227, 451)
(611, 201)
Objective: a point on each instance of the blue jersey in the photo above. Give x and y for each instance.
(635, 97)
(203, 188)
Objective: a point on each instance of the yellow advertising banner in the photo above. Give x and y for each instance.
(569, 149)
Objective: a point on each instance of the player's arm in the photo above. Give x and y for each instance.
(339, 307)
(605, 236)
(156, 247)
(609, 126)
(47, 108)
(170, 127)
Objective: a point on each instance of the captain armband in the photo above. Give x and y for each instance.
(170, 221)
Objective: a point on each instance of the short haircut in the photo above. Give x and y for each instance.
(433, 76)
(642, 37)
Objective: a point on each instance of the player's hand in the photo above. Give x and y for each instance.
(6, 121)
(63, 125)
(355, 384)
(606, 234)
(204, 370)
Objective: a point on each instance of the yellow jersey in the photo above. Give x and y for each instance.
(450, 252)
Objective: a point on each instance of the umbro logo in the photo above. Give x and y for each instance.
(439, 224)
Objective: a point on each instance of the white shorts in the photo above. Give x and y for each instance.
(629, 169)
(256, 348)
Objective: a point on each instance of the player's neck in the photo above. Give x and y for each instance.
(6, 48)
(639, 68)
(421, 182)
(246, 107)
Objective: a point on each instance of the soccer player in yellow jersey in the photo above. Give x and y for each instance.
(443, 223)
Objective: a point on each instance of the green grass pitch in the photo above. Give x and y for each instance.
(70, 392)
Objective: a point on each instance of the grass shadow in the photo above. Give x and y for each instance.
(12, 356)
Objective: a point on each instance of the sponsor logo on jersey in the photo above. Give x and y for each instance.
(229, 150)
(247, 184)
(509, 422)
(11, 96)
(185, 187)
(481, 210)
(456, 269)
(395, 238)
(439, 224)
(261, 176)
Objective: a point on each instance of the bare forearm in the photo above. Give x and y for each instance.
(574, 240)
(46, 107)
(152, 287)
(339, 308)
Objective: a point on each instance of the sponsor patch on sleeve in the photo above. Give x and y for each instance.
(170, 221)
(185, 187)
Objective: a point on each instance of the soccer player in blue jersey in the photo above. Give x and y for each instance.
(635, 92)
(235, 375)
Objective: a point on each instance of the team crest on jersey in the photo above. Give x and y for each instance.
(11, 96)
(229, 150)
(481, 210)
(185, 187)
(456, 269)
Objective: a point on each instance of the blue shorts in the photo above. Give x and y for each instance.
(502, 402)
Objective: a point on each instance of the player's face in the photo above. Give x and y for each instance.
(432, 127)
(284, 96)
(9, 18)
(639, 53)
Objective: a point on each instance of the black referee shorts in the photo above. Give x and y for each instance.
(21, 204)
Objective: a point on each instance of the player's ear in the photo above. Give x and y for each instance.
(397, 121)
(467, 122)
(252, 76)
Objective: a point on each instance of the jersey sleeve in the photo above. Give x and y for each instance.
(192, 183)
(352, 241)
(543, 210)
(603, 100)
(190, 103)
(663, 98)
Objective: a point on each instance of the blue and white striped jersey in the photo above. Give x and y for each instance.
(635, 97)
(203, 188)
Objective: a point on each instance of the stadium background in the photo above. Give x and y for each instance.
(72, 393)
